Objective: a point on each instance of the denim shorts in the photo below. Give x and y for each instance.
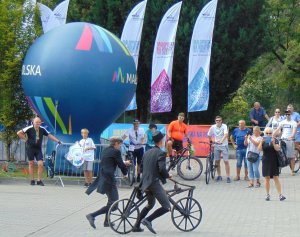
(240, 157)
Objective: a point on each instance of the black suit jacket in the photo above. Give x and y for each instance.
(154, 167)
(110, 159)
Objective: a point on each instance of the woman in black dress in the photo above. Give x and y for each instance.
(270, 170)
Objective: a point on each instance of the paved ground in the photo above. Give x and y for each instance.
(229, 210)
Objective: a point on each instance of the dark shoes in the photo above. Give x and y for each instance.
(106, 224)
(86, 185)
(138, 179)
(91, 220)
(32, 182)
(137, 229)
(40, 183)
(281, 197)
(148, 224)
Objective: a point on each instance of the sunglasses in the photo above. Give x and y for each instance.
(287, 114)
(218, 120)
(268, 133)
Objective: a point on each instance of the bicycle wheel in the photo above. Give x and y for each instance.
(123, 215)
(213, 167)
(189, 168)
(131, 175)
(208, 170)
(297, 162)
(186, 214)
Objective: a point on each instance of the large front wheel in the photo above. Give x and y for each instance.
(189, 168)
(186, 214)
(123, 215)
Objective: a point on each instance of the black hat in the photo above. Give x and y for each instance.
(152, 125)
(157, 136)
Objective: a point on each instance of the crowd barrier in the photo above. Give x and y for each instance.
(64, 168)
(18, 150)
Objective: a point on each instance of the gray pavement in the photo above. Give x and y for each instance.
(229, 210)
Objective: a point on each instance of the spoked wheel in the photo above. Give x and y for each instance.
(189, 168)
(213, 172)
(208, 170)
(297, 162)
(186, 214)
(123, 215)
(131, 175)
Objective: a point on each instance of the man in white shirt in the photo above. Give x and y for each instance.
(137, 137)
(220, 132)
(288, 128)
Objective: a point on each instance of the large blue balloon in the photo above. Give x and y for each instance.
(83, 69)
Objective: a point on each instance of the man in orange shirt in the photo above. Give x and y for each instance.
(176, 130)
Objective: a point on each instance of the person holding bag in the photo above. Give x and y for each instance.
(270, 170)
(253, 157)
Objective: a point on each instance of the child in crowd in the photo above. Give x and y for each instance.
(88, 155)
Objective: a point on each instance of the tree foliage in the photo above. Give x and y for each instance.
(274, 78)
(15, 38)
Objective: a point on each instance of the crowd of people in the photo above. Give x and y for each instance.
(253, 145)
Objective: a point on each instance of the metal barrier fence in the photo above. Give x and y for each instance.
(64, 168)
(18, 150)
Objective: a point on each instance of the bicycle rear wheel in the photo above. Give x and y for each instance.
(208, 170)
(123, 215)
(297, 162)
(189, 168)
(131, 174)
(186, 214)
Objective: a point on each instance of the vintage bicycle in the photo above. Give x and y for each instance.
(186, 213)
(211, 167)
(188, 167)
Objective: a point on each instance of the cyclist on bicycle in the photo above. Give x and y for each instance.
(288, 128)
(220, 132)
(154, 171)
(176, 131)
(137, 136)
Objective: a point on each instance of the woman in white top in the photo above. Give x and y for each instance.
(274, 121)
(253, 168)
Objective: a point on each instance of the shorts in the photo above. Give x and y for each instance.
(218, 150)
(87, 165)
(290, 149)
(138, 155)
(34, 153)
(177, 145)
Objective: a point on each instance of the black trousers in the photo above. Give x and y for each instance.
(112, 195)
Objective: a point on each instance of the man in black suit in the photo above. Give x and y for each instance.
(105, 183)
(154, 170)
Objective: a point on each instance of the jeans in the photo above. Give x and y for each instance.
(253, 169)
(240, 157)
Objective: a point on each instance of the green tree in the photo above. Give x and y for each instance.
(15, 38)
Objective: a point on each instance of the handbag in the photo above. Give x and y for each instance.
(252, 156)
(283, 161)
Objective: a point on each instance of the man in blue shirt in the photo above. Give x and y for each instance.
(258, 115)
(296, 117)
(237, 139)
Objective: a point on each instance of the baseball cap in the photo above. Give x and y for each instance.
(152, 125)
(288, 112)
(136, 121)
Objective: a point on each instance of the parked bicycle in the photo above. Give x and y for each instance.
(49, 164)
(188, 167)
(211, 167)
(186, 213)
